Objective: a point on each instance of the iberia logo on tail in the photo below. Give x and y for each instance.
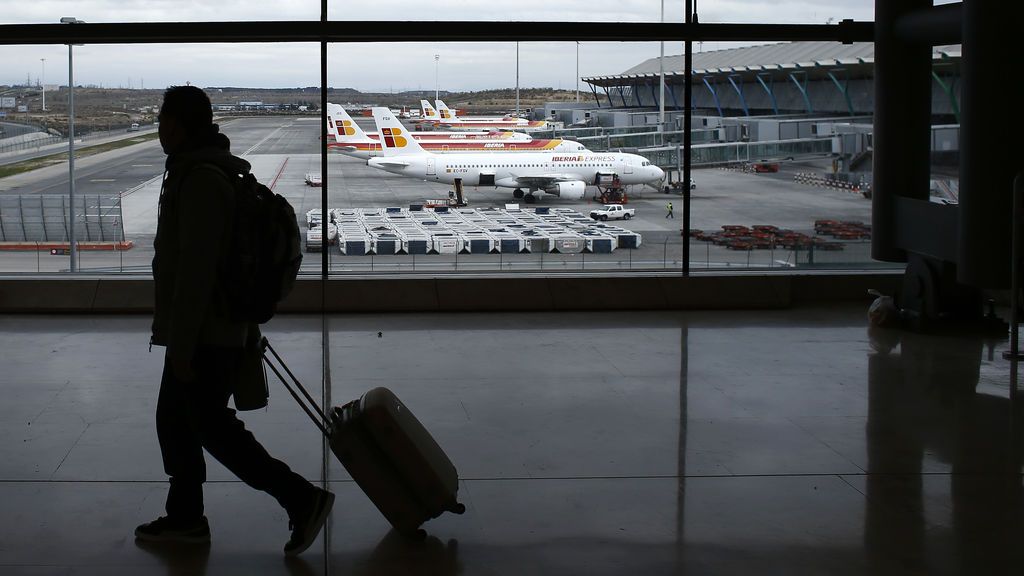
(347, 128)
(393, 137)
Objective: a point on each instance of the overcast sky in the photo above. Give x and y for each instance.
(372, 67)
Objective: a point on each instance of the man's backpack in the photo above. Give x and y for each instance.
(265, 251)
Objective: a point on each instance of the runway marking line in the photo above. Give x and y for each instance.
(131, 191)
(260, 143)
(279, 172)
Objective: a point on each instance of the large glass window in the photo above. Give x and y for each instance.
(119, 164)
(781, 148)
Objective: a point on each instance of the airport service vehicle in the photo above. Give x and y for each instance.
(351, 140)
(613, 212)
(677, 187)
(566, 175)
(134, 127)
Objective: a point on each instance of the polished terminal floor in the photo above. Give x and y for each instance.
(736, 442)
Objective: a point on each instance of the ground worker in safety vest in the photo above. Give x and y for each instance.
(669, 215)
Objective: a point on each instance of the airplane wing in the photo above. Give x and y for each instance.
(392, 162)
(544, 179)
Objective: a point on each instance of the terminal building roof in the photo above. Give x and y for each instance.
(786, 56)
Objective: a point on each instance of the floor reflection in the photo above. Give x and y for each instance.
(396, 554)
(924, 411)
(179, 559)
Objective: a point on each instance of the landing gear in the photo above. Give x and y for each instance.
(517, 193)
(530, 198)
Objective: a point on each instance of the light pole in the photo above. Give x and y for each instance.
(437, 57)
(71, 145)
(517, 79)
(42, 82)
(661, 64)
(577, 71)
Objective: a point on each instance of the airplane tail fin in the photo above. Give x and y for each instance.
(345, 128)
(395, 139)
(332, 120)
(429, 112)
(444, 111)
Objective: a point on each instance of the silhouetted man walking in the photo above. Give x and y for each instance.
(203, 345)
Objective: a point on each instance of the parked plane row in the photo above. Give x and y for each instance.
(562, 174)
(443, 117)
(351, 140)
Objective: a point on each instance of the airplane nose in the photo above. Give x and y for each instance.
(659, 174)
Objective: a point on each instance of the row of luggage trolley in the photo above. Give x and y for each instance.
(381, 231)
(735, 237)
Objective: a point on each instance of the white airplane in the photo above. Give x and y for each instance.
(351, 140)
(453, 122)
(449, 114)
(339, 121)
(558, 173)
(429, 113)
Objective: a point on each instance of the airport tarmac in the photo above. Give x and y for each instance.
(282, 150)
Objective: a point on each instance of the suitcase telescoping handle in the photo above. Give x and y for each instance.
(309, 405)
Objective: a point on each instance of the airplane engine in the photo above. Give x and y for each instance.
(569, 190)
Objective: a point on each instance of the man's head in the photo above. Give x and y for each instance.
(186, 119)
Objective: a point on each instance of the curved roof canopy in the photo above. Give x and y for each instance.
(788, 57)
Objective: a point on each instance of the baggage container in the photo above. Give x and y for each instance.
(568, 244)
(384, 244)
(416, 246)
(629, 240)
(600, 244)
(354, 247)
(387, 451)
(509, 245)
(446, 244)
(480, 245)
(536, 243)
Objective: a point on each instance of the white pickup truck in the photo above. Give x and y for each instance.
(612, 212)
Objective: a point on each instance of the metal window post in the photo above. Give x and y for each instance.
(1015, 269)
(661, 67)
(71, 156)
(691, 18)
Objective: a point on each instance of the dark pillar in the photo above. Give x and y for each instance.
(902, 137)
(991, 152)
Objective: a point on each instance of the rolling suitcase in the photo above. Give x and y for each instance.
(386, 450)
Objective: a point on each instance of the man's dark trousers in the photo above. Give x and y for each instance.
(194, 415)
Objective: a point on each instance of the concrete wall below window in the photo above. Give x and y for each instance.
(450, 294)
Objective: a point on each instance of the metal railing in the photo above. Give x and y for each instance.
(19, 144)
(657, 256)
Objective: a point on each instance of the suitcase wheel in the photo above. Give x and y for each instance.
(458, 508)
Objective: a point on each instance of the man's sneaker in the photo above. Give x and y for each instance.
(166, 529)
(306, 522)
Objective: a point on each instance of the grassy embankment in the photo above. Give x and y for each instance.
(84, 152)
